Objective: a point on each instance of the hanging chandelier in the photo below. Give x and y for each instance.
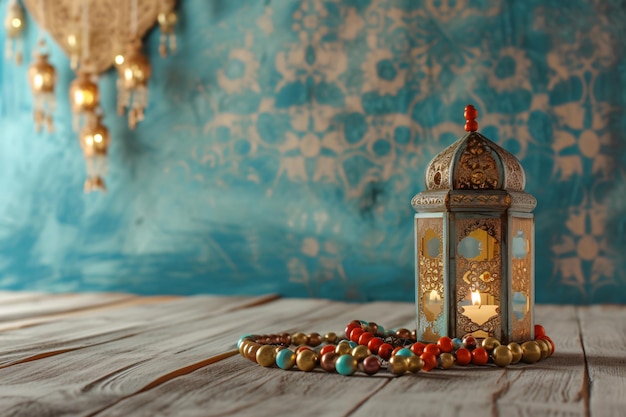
(84, 98)
(94, 141)
(132, 84)
(14, 26)
(42, 80)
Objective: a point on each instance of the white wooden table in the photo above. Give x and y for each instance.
(123, 355)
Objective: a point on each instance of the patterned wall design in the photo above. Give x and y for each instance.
(283, 144)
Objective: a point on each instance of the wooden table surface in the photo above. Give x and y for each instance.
(123, 355)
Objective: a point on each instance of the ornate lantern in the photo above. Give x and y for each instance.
(167, 22)
(474, 242)
(14, 25)
(94, 140)
(132, 84)
(42, 79)
(84, 97)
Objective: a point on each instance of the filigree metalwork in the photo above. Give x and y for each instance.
(477, 168)
(521, 276)
(438, 171)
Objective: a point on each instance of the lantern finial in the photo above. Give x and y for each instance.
(470, 114)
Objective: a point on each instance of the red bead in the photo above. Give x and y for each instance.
(349, 329)
(480, 356)
(371, 365)
(395, 350)
(445, 344)
(432, 348)
(326, 349)
(365, 338)
(463, 357)
(385, 350)
(374, 344)
(417, 348)
(301, 348)
(470, 112)
(469, 342)
(430, 361)
(471, 126)
(355, 334)
(539, 331)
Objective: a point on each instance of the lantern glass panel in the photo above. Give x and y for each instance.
(521, 267)
(430, 288)
(478, 266)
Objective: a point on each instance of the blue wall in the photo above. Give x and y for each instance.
(284, 141)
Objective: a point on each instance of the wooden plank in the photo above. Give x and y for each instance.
(84, 381)
(87, 330)
(603, 330)
(55, 304)
(8, 297)
(238, 387)
(552, 388)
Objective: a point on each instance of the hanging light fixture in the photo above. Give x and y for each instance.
(167, 19)
(84, 98)
(14, 25)
(132, 84)
(94, 140)
(42, 80)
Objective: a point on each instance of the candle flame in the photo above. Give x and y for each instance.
(476, 298)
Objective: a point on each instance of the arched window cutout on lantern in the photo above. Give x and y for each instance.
(433, 305)
(478, 246)
(520, 305)
(430, 244)
(521, 246)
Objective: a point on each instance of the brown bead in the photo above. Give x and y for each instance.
(314, 339)
(306, 360)
(414, 334)
(299, 339)
(266, 356)
(531, 352)
(516, 350)
(490, 343)
(327, 361)
(360, 352)
(415, 364)
(371, 365)
(285, 339)
(545, 348)
(403, 333)
(502, 356)
(330, 337)
(398, 365)
(446, 360)
(372, 328)
(343, 348)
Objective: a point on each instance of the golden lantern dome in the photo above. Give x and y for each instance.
(42, 80)
(94, 141)
(84, 96)
(14, 25)
(132, 84)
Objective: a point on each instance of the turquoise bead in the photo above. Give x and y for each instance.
(457, 343)
(241, 339)
(404, 352)
(364, 323)
(346, 365)
(353, 344)
(285, 359)
(381, 329)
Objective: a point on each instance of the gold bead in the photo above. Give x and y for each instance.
(330, 337)
(502, 356)
(243, 345)
(415, 364)
(531, 352)
(398, 365)
(516, 350)
(251, 351)
(490, 343)
(299, 339)
(447, 360)
(306, 360)
(360, 352)
(266, 356)
(545, 348)
(343, 348)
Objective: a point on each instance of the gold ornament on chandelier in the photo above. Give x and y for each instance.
(94, 140)
(132, 84)
(42, 80)
(14, 26)
(84, 98)
(167, 23)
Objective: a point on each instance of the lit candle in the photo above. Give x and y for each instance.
(477, 312)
